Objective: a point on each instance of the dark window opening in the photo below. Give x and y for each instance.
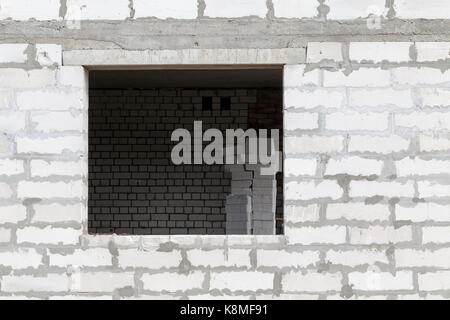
(134, 186)
(225, 103)
(207, 103)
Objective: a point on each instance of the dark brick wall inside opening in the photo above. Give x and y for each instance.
(134, 188)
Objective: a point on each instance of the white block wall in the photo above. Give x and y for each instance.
(52, 10)
(367, 190)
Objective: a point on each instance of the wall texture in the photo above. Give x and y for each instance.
(181, 24)
(367, 144)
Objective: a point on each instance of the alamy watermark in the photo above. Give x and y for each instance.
(74, 15)
(238, 147)
(375, 15)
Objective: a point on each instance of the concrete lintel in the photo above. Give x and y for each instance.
(118, 58)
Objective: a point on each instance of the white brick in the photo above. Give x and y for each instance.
(11, 167)
(433, 297)
(5, 191)
(13, 213)
(411, 258)
(383, 145)
(22, 79)
(363, 77)
(313, 144)
(429, 189)
(380, 51)
(48, 190)
(5, 235)
(5, 145)
(297, 76)
(50, 100)
(49, 54)
(357, 121)
(414, 9)
(82, 258)
(30, 9)
(416, 166)
(318, 51)
(42, 168)
(355, 258)
(219, 258)
(295, 281)
(54, 213)
(320, 235)
(50, 145)
(338, 297)
(311, 190)
(20, 259)
(423, 212)
(163, 9)
(235, 8)
(72, 76)
(424, 121)
(434, 281)
(299, 167)
(390, 189)
(353, 9)
(416, 76)
(295, 8)
(12, 52)
(381, 281)
(380, 235)
(81, 297)
(153, 242)
(5, 98)
(48, 235)
(288, 296)
(380, 97)
(301, 121)
(357, 211)
(261, 240)
(299, 214)
(180, 239)
(355, 166)
(432, 51)
(435, 97)
(100, 281)
(12, 122)
(19, 297)
(307, 99)
(292, 259)
(436, 235)
(173, 282)
(148, 259)
(242, 280)
(428, 143)
(24, 283)
(210, 296)
(96, 10)
(409, 297)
